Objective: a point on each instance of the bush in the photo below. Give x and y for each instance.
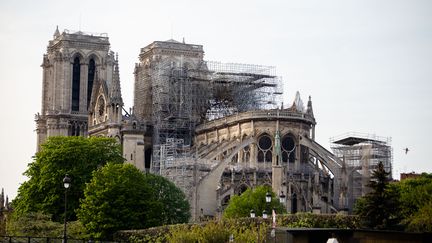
(243, 229)
(41, 225)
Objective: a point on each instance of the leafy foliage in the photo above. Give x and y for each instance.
(118, 197)
(240, 206)
(379, 208)
(36, 224)
(76, 156)
(416, 202)
(243, 229)
(175, 205)
(309, 220)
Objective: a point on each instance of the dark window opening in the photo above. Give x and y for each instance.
(242, 189)
(294, 203)
(225, 200)
(91, 75)
(147, 158)
(76, 72)
(288, 149)
(260, 156)
(265, 143)
(292, 157)
(288, 143)
(268, 156)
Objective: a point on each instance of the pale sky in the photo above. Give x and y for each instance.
(366, 64)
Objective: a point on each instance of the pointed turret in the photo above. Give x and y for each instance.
(7, 205)
(115, 89)
(298, 103)
(309, 107)
(2, 199)
(56, 33)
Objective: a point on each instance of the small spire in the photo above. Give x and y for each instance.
(309, 107)
(2, 198)
(56, 33)
(298, 103)
(184, 41)
(7, 203)
(115, 89)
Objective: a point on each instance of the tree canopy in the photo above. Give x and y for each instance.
(379, 208)
(75, 156)
(252, 199)
(119, 196)
(176, 208)
(397, 205)
(416, 202)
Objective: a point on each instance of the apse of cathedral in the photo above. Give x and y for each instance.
(214, 129)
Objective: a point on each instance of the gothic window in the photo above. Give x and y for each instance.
(288, 148)
(91, 75)
(234, 159)
(101, 106)
(246, 154)
(294, 203)
(264, 149)
(76, 72)
(147, 158)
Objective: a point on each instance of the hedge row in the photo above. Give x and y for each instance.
(242, 229)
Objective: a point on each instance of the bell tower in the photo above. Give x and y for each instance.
(72, 62)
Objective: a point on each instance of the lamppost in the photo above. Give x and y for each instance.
(252, 213)
(268, 197)
(66, 184)
(265, 216)
(282, 198)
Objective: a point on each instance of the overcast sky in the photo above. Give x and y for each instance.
(366, 64)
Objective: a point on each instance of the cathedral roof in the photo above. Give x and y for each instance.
(173, 41)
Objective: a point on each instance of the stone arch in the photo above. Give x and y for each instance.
(93, 55)
(207, 186)
(78, 54)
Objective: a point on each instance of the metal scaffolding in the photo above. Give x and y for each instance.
(185, 96)
(361, 154)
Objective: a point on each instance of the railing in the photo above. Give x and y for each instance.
(259, 114)
(31, 239)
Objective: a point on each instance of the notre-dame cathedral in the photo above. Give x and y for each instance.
(214, 129)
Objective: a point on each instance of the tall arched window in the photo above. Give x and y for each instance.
(91, 75)
(288, 148)
(264, 149)
(294, 203)
(76, 72)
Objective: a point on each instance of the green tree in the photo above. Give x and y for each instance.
(416, 202)
(76, 156)
(176, 208)
(379, 208)
(118, 197)
(240, 206)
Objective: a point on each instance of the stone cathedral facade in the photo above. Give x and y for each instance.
(190, 123)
